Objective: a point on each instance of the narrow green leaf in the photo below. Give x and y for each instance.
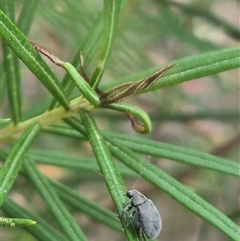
(105, 161)
(64, 130)
(164, 150)
(12, 73)
(199, 66)
(14, 161)
(82, 85)
(200, 115)
(175, 189)
(11, 69)
(42, 231)
(111, 14)
(190, 68)
(86, 206)
(3, 83)
(56, 207)
(104, 158)
(179, 154)
(61, 159)
(25, 51)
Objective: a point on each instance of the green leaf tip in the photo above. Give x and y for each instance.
(3, 121)
(16, 222)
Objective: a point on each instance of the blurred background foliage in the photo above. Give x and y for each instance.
(201, 114)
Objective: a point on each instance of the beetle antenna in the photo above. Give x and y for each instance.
(99, 173)
(143, 169)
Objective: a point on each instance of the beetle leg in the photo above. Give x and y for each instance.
(126, 209)
(141, 236)
(130, 218)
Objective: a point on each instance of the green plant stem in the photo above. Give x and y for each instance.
(48, 118)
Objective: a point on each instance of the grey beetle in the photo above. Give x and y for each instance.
(149, 220)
